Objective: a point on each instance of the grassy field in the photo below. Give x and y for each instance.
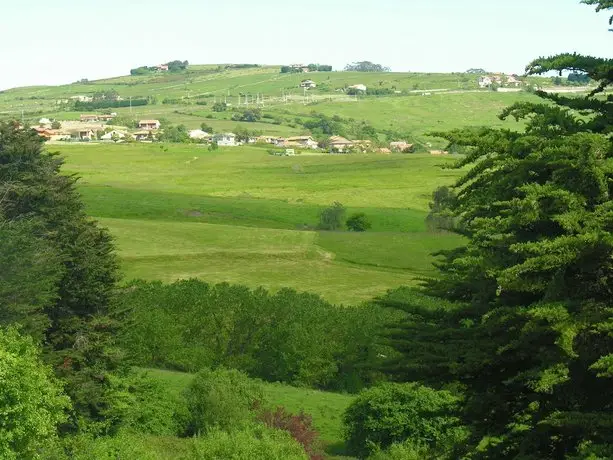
(241, 215)
(325, 408)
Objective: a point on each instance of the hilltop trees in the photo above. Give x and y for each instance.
(365, 66)
(521, 319)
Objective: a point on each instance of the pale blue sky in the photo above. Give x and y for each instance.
(54, 42)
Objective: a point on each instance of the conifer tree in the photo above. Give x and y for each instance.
(521, 319)
(77, 339)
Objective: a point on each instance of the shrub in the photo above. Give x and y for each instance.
(404, 451)
(220, 107)
(358, 222)
(333, 217)
(254, 442)
(300, 427)
(142, 404)
(223, 399)
(393, 413)
(121, 446)
(32, 403)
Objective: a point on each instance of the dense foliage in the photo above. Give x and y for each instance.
(222, 399)
(32, 403)
(521, 319)
(82, 106)
(392, 413)
(60, 289)
(289, 336)
(365, 66)
(332, 218)
(358, 222)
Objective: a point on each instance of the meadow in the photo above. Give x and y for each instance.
(241, 215)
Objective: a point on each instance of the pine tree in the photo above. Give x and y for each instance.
(78, 337)
(521, 319)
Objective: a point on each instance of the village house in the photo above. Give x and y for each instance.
(512, 80)
(300, 67)
(384, 150)
(82, 98)
(44, 122)
(308, 84)
(358, 87)
(149, 124)
(306, 142)
(485, 82)
(340, 144)
(82, 134)
(88, 118)
(401, 146)
(113, 136)
(199, 134)
(143, 135)
(363, 145)
(225, 139)
(162, 68)
(106, 117)
(266, 140)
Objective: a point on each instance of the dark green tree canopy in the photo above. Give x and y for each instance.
(521, 319)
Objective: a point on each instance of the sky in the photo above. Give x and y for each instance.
(45, 42)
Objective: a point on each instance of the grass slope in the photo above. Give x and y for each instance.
(243, 216)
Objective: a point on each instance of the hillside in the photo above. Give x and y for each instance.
(407, 105)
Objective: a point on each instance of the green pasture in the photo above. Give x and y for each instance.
(241, 215)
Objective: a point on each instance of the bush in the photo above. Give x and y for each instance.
(142, 404)
(300, 427)
(224, 399)
(220, 107)
(393, 413)
(358, 222)
(332, 218)
(254, 442)
(32, 402)
(404, 451)
(121, 446)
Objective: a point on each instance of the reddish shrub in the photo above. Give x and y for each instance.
(300, 427)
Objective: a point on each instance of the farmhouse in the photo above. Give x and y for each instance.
(44, 122)
(358, 87)
(144, 135)
(113, 135)
(82, 98)
(87, 118)
(199, 134)
(225, 139)
(266, 140)
(308, 84)
(300, 141)
(485, 82)
(512, 80)
(162, 68)
(106, 117)
(300, 67)
(400, 146)
(340, 144)
(82, 134)
(149, 124)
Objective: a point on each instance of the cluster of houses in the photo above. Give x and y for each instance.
(85, 130)
(501, 80)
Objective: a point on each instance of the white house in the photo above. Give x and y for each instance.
(225, 139)
(308, 84)
(113, 135)
(301, 141)
(44, 122)
(198, 134)
(359, 87)
(485, 82)
(149, 124)
(512, 80)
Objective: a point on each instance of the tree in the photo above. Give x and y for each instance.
(333, 217)
(365, 66)
(223, 399)
(521, 317)
(207, 128)
(176, 134)
(393, 413)
(358, 222)
(56, 125)
(32, 403)
(78, 340)
(219, 107)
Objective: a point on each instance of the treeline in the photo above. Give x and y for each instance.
(109, 104)
(173, 66)
(310, 67)
(290, 337)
